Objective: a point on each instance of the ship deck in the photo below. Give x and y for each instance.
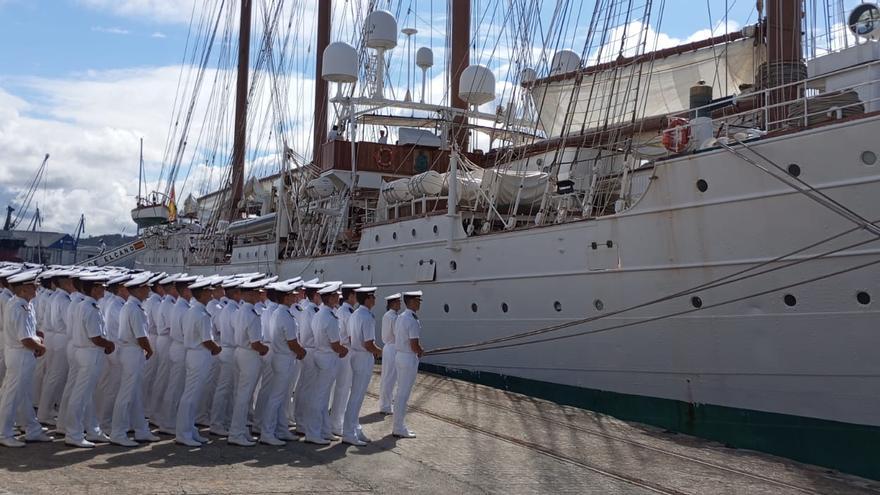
(471, 439)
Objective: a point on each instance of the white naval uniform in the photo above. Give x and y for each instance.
(325, 328)
(5, 296)
(108, 384)
(307, 373)
(128, 409)
(248, 363)
(282, 329)
(389, 362)
(162, 316)
(197, 329)
(221, 405)
(177, 368)
(56, 356)
(362, 328)
(342, 382)
(86, 324)
(151, 307)
(40, 303)
(406, 327)
(70, 314)
(263, 385)
(18, 323)
(297, 311)
(203, 411)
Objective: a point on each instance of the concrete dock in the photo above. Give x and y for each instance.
(471, 439)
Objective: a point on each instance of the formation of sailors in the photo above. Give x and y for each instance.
(101, 354)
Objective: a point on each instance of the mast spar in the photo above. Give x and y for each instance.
(241, 95)
(461, 42)
(320, 129)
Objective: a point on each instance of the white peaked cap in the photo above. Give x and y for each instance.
(156, 277)
(231, 282)
(202, 283)
(393, 297)
(118, 279)
(12, 270)
(349, 286)
(366, 289)
(254, 285)
(140, 279)
(187, 278)
(293, 280)
(312, 281)
(330, 288)
(95, 277)
(25, 277)
(170, 278)
(413, 293)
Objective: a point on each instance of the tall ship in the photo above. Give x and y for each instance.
(682, 235)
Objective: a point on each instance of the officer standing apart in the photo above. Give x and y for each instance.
(198, 335)
(134, 351)
(389, 353)
(22, 347)
(407, 330)
(362, 331)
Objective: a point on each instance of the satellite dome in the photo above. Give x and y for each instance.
(340, 63)
(528, 75)
(380, 30)
(476, 85)
(424, 58)
(564, 61)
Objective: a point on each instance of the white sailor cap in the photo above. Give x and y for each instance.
(141, 279)
(413, 293)
(293, 280)
(311, 281)
(253, 285)
(393, 296)
(330, 288)
(185, 279)
(25, 277)
(9, 271)
(232, 282)
(313, 286)
(156, 277)
(349, 286)
(271, 279)
(170, 279)
(366, 289)
(119, 279)
(95, 277)
(203, 283)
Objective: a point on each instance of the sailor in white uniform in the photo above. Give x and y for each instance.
(221, 405)
(40, 304)
(200, 350)
(270, 304)
(134, 350)
(248, 361)
(309, 305)
(108, 384)
(362, 332)
(5, 296)
(177, 358)
(151, 309)
(22, 347)
(389, 360)
(328, 352)
(56, 349)
(408, 331)
(214, 308)
(285, 352)
(90, 349)
(162, 317)
(62, 316)
(342, 382)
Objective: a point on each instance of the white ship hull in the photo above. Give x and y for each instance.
(815, 359)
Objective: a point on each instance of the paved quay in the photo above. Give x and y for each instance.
(471, 439)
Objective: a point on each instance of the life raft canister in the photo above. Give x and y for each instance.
(383, 156)
(677, 136)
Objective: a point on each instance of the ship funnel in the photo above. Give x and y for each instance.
(564, 61)
(476, 85)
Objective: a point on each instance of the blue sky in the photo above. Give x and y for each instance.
(84, 80)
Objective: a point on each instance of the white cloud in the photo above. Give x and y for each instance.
(171, 11)
(158, 34)
(111, 30)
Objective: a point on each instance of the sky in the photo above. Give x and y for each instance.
(85, 80)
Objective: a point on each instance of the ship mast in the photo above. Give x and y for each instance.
(460, 41)
(320, 129)
(241, 95)
(784, 56)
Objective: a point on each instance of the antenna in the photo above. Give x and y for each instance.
(380, 29)
(424, 60)
(408, 32)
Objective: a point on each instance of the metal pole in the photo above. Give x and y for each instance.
(320, 130)
(241, 95)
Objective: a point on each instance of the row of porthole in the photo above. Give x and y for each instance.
(868, 158)
(863, 298)
(256, 254)
(412, 232)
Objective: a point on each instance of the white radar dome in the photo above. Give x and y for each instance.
(476, 85)
(380, 30)
(528, 75)
(424, 58)
(340, 63)
(864, 21)
(564, 61)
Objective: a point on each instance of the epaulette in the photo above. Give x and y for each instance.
(316, 309)
(255, 311)
(95, 305)
(298, 308)
(415, 316)
(351, 310)
(26, 307)
(333, 315)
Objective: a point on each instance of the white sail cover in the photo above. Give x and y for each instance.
(648, 89)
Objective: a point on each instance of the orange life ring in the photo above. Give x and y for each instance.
(677, 136)
(383, 156)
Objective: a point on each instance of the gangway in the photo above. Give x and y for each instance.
(116, 254)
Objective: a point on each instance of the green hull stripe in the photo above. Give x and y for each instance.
(850, 448)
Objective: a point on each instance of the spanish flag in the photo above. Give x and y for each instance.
(172, 206)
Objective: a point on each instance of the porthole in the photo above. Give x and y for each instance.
(421, 262)
(377, 238)
(504, 307)
(362, 267)
(453, 265)
(436, 230)
(369, 267)
(869, 157)
(413, 232)
(598, 304)
(863, 298)
(789, 300)
(394, 235)
(702, 185)
(594, 245)
(557, 306)
(609, 244)
(474, 307)
(794, 170)
(445, 308)
(696, 302)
